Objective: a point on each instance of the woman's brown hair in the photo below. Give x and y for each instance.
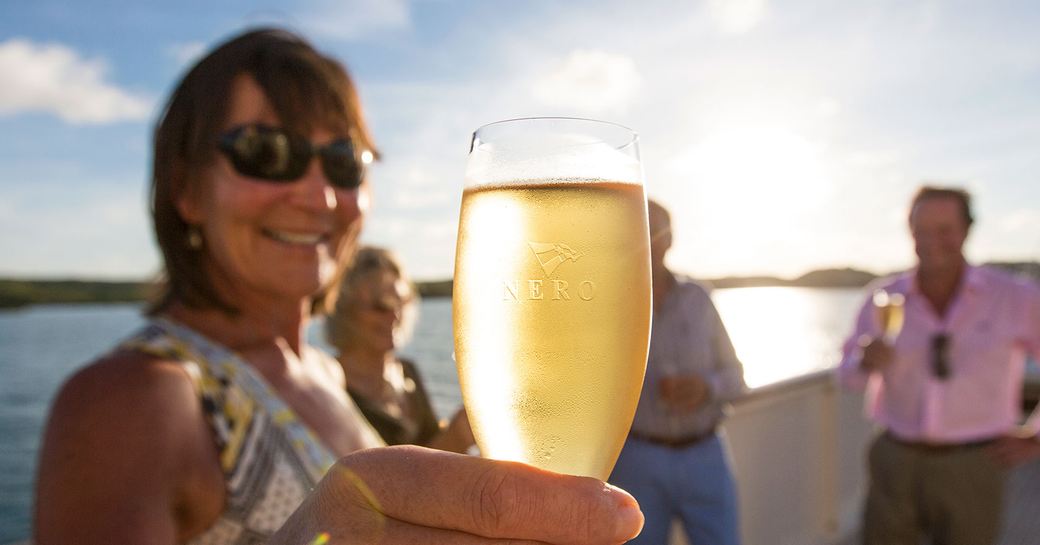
(306, 89)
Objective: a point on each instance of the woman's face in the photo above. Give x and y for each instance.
(379, 305)
(274, 240)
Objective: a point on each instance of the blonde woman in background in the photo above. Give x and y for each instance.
(374, 316)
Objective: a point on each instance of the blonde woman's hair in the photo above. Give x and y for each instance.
(368, 262)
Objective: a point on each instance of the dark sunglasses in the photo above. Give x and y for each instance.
(276, 155)
(390, 304)
(385, 306)
(940, 356)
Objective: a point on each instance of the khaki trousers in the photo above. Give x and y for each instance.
(953, 497)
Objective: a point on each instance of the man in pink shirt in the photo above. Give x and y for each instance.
(947, 390)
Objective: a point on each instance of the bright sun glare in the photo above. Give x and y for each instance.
(767, 171)
(751, 186)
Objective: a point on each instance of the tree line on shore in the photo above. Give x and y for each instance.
(23, 292)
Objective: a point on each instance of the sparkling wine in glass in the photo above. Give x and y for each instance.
(551, 295)
(888, 308)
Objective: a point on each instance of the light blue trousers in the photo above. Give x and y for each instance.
(694, 484)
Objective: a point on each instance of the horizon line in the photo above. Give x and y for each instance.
(72, 277)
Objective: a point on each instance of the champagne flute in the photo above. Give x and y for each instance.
(888, 308)
(551, 299)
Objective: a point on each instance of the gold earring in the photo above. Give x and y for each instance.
(194, 237)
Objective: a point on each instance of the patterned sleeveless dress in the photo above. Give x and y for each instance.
(270, 459)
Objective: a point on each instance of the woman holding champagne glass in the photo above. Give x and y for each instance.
(218, 423)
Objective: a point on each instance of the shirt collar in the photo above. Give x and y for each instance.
(972, 281)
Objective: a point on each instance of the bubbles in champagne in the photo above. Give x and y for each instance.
(545, 448)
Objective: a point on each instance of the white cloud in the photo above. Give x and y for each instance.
(419, 186)
(873, 158)
(418, 176)
(828, 107)
(409, 199)
(55, 79)
(353, 19)
(186, 53)
(736, 16)
(591, 81)
(428, 245)
(101, 232)
(1021, 221)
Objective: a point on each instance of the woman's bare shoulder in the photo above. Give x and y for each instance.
(128, 429)
(127, 397)
(127, 377)
(330, 366)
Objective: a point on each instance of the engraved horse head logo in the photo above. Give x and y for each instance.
(551, 255)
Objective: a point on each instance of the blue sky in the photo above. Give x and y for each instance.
(785, 136)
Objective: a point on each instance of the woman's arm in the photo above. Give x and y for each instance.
(453, 436)
(126, 457)
(456, 436)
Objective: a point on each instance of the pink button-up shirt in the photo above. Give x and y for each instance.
(992, 323)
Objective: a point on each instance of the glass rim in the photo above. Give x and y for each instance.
(633, 135)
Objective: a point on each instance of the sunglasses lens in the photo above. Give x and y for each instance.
(341, 164)
(275, 155)
(266, 153)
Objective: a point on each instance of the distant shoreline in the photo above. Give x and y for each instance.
(15, 293)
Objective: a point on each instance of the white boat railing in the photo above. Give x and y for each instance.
(798, 450)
